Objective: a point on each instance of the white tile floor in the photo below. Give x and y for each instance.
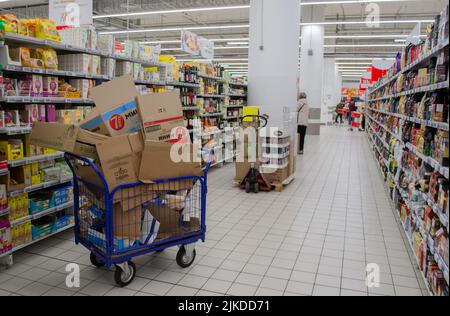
(314, 238)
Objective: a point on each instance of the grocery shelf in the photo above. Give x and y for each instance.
(4, 212)
(42, 238)
(51, 100)
(429, 88)
(275, 156)
(236, 84)
(233, 106)
(5, 254)
(385, 128)
(53, 72)
(206, 134)
(275, 145)
(150, 82)
(15, 130)
(211, 114)
(429, 123)
(443, 218)
(33, 41)
(40, 186)
(29, 160)
(41, 214)
(212, 77)
(430, 161)
(385, 144)
(236, 95)
(191, 108)
(4, 171)
(414, 64)
(211, 96)
(231, 117)
(182, 84)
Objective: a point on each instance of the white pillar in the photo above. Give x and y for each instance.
(273, 57)
(329, 90)
(311, 64)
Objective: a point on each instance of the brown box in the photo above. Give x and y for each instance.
(161, 115)
(127, 224)
(16, 179)
(66, 137)
(166, 168)
(278, 176)
(115, 111)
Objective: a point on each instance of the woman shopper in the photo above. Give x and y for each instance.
(302, 120)
(339, 112)
(351, 108)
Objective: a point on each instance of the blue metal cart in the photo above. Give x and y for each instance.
(118, 224)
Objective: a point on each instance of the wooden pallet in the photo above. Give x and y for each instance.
(279, 187)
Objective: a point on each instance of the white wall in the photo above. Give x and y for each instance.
(273, 71)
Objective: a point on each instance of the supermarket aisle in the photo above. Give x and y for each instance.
(315, 238)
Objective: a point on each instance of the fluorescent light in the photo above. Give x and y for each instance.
(365, 22)
(230, 64)
(236, 67)
(349, 2)
(365, 36)
(230, 47)
(362, 58)
(179, 41)
(176, 29)
(120, 15)
(352, 67)
(170, 49)
(363, 45)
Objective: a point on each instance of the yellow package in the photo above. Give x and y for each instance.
(36, 179)
(22, 28)
(47, 55)
(34, 168)
(46, 29)
(31, 26)
(11, 22)
(49, 151)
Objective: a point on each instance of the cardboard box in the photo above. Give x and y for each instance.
(115, 111)
(118, 158)
(278, 176)
(166, 168)
(64, 137)
(161, 114)
(127, 224)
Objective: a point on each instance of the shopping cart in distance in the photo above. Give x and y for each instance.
(130, 220)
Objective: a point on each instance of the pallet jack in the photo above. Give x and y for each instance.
(254, 181)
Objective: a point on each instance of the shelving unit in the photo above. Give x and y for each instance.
(384, 124)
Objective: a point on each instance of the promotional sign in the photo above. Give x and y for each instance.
(70, 12)
(196, 45)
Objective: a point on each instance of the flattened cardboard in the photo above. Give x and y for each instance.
(127, 224)
(113, 93)
(55, 136)
(166, 168)
(161, 114)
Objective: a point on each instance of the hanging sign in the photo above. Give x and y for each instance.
(196, 45)
(70, 12)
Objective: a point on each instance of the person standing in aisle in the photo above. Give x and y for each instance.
(351, 108)
(339, 112)
(302, 119)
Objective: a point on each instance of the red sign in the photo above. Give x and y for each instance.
(116, 122)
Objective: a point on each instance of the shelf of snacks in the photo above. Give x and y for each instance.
(409, 109)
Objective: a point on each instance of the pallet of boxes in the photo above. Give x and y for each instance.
(276, 160)
(129, 138)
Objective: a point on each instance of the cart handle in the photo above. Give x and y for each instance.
(209, 162)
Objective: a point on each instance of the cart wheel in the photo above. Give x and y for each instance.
(96, 261)
(247, 187)
(183, 259)
(256, 187)
(123, 278)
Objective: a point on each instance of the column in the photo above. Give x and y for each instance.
(273, 58)
(332, 83)
(311, 64)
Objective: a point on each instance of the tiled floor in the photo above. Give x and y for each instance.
(314, 238)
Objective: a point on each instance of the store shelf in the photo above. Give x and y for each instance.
(414, 64)
(41, 214)
(443, 218)
(150, 82)
(207, 134)
(429, 88)
(51, 100)
(236, 95)
(42, 238)
(15, 130)
(236, 84)
(33, 41)
(4, 212)
(29, 160)
(385, 128)
(40, 186)
(430, 161)
(4, 171)
(191, 108)
(433, 124)
(234, 106)
(275, 145)
(183, 84)
(233, 117)
(275, 156)
(211, 96)
(212, 77)
(53, 72)
(211, 114)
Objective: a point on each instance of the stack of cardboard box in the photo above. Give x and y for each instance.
(130, 138)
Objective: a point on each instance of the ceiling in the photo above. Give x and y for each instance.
(375, 44)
